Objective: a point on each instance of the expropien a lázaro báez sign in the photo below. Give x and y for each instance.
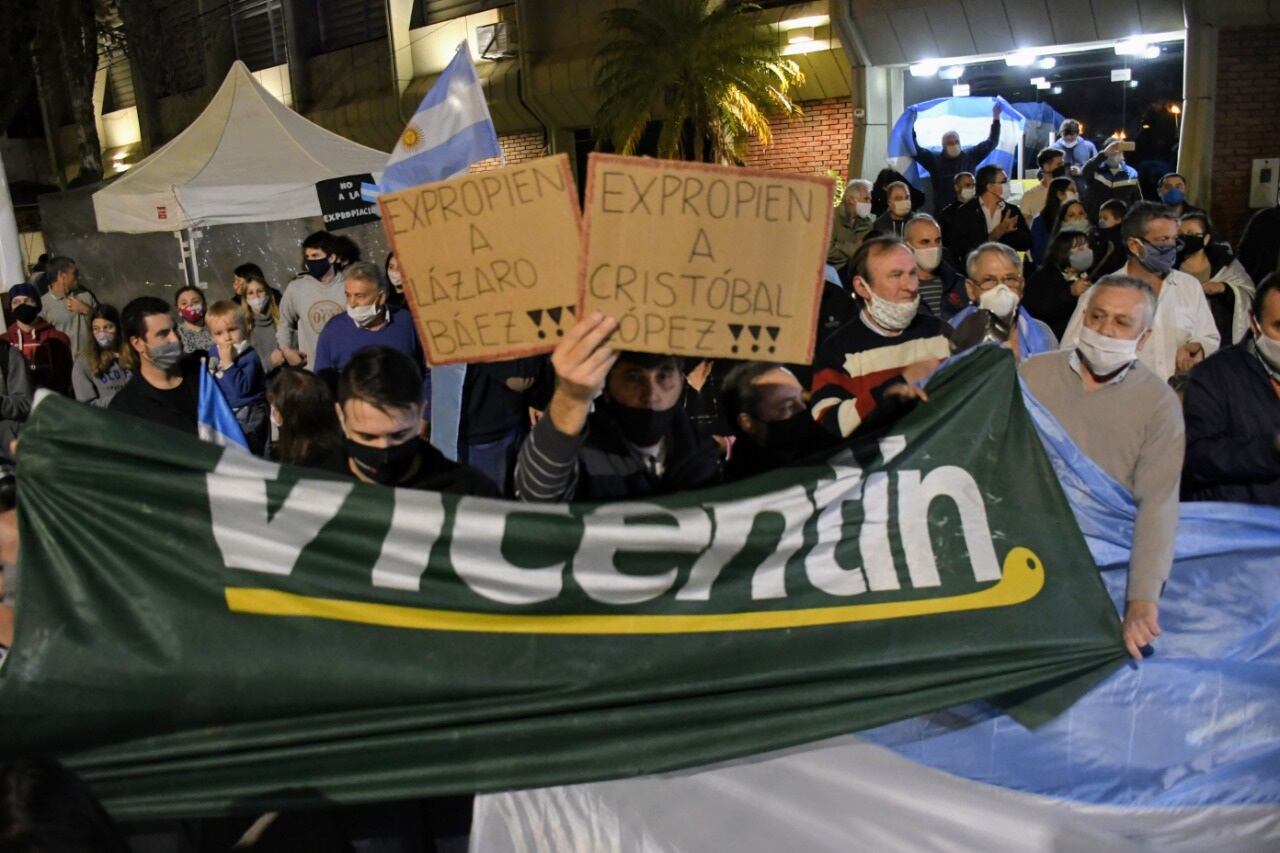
(707, 261)
(489, 260)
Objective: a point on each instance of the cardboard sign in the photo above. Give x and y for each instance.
(490, 260)
(340, 202)
(706, 261)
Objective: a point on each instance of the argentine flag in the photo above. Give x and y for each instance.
(450, 130)
(969, 117)
(215, 421)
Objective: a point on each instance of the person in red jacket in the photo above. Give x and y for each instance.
(46, 350)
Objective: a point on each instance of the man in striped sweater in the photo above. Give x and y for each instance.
(882, 351)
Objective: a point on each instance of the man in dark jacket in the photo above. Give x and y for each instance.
(165, 389)
(772, 428)
(943, 166)
(636, 442)
(1232, 409)
(988, 218)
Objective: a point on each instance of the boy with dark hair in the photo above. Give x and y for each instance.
(310, 300)
(379, 405)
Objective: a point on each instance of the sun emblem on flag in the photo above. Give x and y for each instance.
(411, 138)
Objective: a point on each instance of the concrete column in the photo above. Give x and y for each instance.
(1199, 82)
(301, 40)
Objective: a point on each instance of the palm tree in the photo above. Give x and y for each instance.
(711, 69)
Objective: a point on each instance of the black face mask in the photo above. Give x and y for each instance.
(1191, 243)
(26, 313)
(641, 427)
(1059, 172)
(796, 436)
(384, 465)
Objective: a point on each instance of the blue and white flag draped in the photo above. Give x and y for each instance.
(970, 117)
(451, 130)
(215, 422)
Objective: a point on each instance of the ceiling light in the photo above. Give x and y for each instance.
(1133, 84)
(1175, 109)
(122, 167)
(1151, 52)
(1046, 63)
(1020, 58)
(1043, 84)
(799, 34)
(927, 68)
(952, 72)
(1120, 75)
(1057, 90)
(1036, 81)
(807, 21)
(1131, 46)
(960, 90)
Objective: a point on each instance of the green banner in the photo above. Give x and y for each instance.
(201, 632)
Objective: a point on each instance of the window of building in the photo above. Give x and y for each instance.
(427, 12)
(258, 27)
(183, 26)
(344, 23)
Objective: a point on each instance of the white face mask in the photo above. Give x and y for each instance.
(862, 208)
(1070, 142)
(1001, 190)
(953, 150)
(257, 303)
(1081, 259)
(365, 315)
(1115, 162)
(901, 207)
(966, 194)
(1103, 355)
(106, 340)
(999, 300)
(928, 259)
(1268, 350)
(894, 316)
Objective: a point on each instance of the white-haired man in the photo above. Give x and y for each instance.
(1128, 421)
(850, 226)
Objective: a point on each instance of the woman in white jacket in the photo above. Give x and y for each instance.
(1227, 286)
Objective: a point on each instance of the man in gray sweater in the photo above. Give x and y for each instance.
(1128, 421)
(310, 300)
(68, 306)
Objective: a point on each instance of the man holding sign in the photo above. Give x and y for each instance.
(636, 443)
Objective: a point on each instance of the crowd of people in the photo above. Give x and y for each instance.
(1152, 341)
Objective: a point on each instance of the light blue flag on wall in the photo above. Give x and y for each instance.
(451, 130)
(215, 422)
(970, 117)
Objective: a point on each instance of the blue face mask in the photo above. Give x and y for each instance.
(1173, 196)
(1158, 260)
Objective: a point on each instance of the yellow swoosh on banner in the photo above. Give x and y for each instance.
(1021, 581)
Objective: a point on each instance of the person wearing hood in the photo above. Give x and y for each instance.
(763, 403)
(953, 158)
(995, 286)
(46, 351)
(614, 429)
(1127, 421)
(1076, 151)
(310, 300)
(1232, 408)
(1108, 176)
(1182, 332)
(1226, 284)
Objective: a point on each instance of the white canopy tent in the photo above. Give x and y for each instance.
(246, 158)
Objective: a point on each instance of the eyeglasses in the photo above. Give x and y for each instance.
(1008, 281)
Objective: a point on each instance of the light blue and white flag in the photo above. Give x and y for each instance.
(969, 117)
(451, 130)
(215, 421)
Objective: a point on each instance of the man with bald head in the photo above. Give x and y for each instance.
(1129, 422)
(944, 165)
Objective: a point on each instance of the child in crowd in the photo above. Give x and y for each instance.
(261, 309)
(192, 328)
(106, 363)
(239, 373)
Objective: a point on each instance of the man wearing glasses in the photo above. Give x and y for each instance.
(995, 286)
(1183, 333)
(989, 217)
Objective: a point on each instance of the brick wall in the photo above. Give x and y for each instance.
(1246, 120)
(811, 145)
(516, 147)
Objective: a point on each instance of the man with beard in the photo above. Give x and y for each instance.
(635, 441)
